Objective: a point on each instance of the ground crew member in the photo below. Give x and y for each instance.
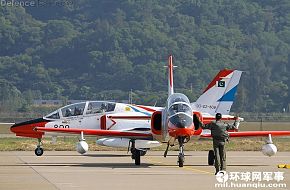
(220, 135)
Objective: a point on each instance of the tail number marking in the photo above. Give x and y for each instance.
(61, 126)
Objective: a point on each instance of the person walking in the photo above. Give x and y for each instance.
(219, 133)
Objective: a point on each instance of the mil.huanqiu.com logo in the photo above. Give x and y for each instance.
(250, 180)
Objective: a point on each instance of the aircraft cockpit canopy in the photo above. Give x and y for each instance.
(100, 107)
(177, 97)
(82, 108)
(73, 110)
(53, 115)
(180, 107)
(179, 103)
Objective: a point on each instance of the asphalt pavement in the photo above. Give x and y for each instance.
(115, 170)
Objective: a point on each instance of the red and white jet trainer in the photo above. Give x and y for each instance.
(143, 127)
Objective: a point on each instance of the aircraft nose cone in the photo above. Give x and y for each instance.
(13, 128)
(27, 128)
(18, 127)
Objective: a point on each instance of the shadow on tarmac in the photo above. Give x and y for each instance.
(93, 165)
(88, 155)
(119, 165)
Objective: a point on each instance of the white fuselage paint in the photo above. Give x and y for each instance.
(124, 117)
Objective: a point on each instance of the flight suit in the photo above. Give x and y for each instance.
(220, 136)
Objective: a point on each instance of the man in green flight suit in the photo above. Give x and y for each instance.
(219, 133)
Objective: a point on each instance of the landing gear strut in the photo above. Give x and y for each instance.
(39, 151)
(166, 151)
(181, 153)
(136, 153)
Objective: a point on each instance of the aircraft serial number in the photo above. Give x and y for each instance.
(61, 126)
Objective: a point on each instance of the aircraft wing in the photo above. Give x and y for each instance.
(98, 132)
(253, 134)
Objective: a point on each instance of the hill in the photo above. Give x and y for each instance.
(90, 49)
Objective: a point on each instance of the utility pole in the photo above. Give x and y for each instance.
(191, 87)
(131, 97)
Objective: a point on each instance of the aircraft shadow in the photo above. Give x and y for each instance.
(119, 165)
(88, 155)
(247, 165)
(93, 165)
(106, 155)
(116, 165)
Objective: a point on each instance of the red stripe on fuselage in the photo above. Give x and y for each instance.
(207, 120)
(131, 117)
(145, 108)
(96, 132)
(104, 122)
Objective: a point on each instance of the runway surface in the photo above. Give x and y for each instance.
(115, 170)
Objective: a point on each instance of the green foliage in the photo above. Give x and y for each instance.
(103, 49)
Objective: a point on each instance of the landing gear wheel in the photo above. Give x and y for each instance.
(211, 158)
(136, 154)
(181, 152)
(38, 151)
(180, 160)
(137, 157)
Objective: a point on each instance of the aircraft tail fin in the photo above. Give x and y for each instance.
(219, 95)
(170, 75)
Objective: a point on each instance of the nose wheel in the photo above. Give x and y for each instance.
(180, 160)
(39, 151)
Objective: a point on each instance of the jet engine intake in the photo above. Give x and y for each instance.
(197, 118)
(156, 123)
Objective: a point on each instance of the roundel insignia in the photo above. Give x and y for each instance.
(127, 109)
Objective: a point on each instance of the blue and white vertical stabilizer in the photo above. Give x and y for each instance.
(219, 96)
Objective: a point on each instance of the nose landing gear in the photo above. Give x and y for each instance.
(181, 151)
(39, 151)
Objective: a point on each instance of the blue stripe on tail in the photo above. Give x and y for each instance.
(229, 96)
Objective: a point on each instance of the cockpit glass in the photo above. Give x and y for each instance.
(54, 115)
(73, 110)
(179, 107)
(100, 107)
(178, 98)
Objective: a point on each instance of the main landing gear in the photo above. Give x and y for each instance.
(39, 151)
(180, 160)
(136, 153)
(211, 158)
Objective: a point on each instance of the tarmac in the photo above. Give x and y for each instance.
(115, 170)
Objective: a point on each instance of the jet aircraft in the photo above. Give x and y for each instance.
(141, 127)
